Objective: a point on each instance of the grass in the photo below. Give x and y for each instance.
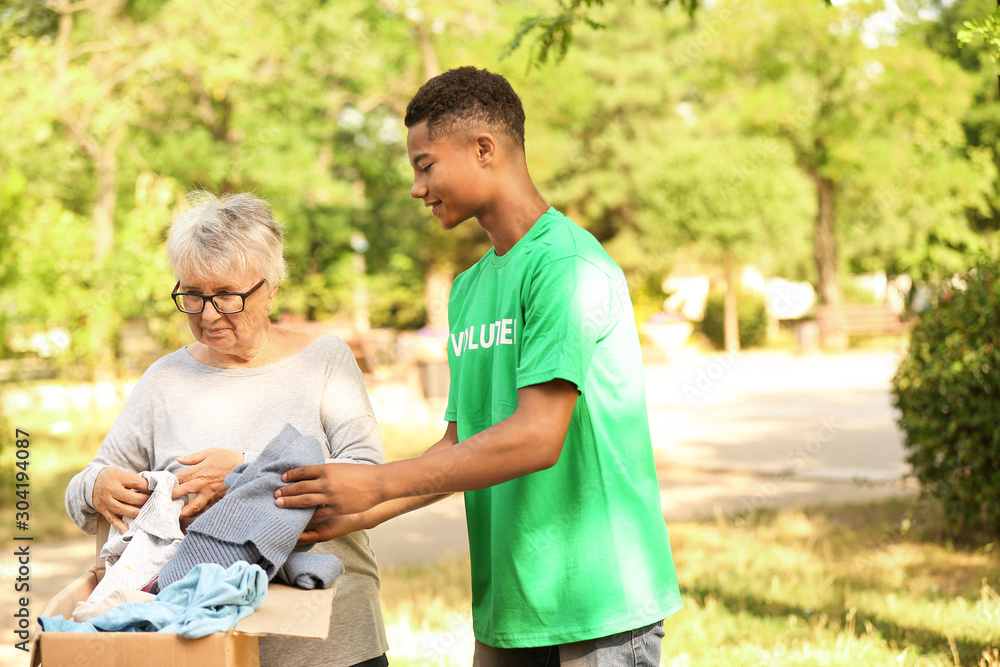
(872, 584)
(851, 585)
(427, 614)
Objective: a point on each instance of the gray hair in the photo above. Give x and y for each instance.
(223, 236)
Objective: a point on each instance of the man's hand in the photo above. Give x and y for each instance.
(205, 478)
(119, 494)
(345, 488)
(325, 485)
(326, 525)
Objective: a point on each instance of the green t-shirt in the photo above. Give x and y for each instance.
(580, 550)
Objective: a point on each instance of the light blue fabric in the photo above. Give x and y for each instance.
(208, 599)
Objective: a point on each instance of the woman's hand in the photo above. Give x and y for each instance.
(119, 494)
(205, 478)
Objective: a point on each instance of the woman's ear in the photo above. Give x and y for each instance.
(271, 297)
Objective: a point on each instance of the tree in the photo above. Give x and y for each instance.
(115, 109)
(24, 19)
(874, 126)
(117, 100)
(730, 195)
(71, 101)
(936, 25)
(659, 182)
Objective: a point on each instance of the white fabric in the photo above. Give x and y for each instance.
(85, 611)
(133, 560)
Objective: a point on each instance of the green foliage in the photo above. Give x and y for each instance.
(987, 28)
(554, 30)
(901, 174)
(981, 121)
(946, 390)
(24, 18)
(751, 310)
(680, 156)
(727, 194)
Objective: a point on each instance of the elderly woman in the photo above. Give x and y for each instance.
(217, 402)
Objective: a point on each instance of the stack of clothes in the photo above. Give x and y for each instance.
(159, 579)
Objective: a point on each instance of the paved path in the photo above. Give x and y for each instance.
(774, 429)
(730, 433)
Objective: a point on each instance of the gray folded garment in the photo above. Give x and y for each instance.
(247, 525)
(310, 570)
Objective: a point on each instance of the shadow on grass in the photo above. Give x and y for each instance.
(897, 546)
(895, 634)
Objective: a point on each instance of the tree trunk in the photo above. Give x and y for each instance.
(103, 329)
(101, 325)
(825, 252)
(730, 314)
(103, 219)
(428, 54)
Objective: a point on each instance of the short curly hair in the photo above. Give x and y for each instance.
(467, 99)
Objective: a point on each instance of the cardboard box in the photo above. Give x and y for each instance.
(285, 611)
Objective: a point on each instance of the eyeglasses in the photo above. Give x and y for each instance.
(226, 303)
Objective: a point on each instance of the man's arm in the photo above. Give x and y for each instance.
(529, 440)
(327, 524)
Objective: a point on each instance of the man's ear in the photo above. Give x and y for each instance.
(486, 148)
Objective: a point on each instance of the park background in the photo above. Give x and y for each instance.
(757, 151)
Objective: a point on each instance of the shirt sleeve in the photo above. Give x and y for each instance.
(348, 418)
(567, 311)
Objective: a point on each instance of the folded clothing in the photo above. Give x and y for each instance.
(310, 570)
(246, 525)
(208, 599)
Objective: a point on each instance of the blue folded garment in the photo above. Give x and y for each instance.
(208, 599)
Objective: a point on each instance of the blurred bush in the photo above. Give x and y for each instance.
(946, 390)
(751, 309)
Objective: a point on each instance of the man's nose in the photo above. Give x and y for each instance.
(418, 191)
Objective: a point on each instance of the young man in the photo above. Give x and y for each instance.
(547, 431)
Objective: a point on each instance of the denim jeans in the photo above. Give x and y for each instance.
(633, 648)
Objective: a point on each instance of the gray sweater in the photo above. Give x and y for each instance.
(181, 405)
